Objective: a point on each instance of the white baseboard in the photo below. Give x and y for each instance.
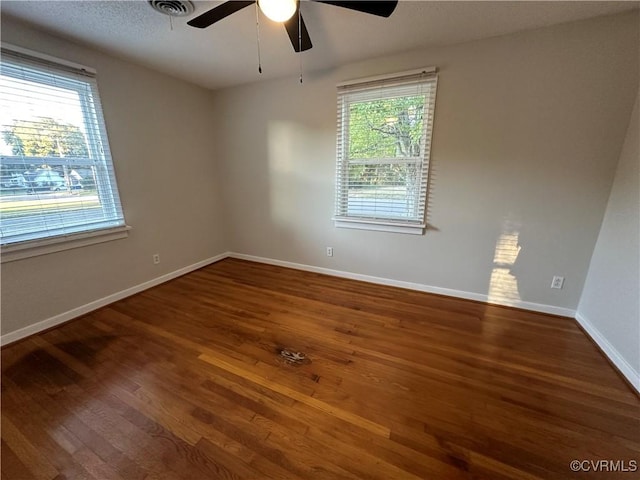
(536, 307)
(89, 307)
(625, 368)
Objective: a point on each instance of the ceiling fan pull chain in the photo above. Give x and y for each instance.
(300, 37)
(258, 37)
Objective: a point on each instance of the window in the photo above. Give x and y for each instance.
(384, 138)
(57, 182)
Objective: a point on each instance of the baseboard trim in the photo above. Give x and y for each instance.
(91, 306)
(536, 307)
(630, 373)
(618, 361)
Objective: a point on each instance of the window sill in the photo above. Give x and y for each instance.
(379, 225)
(20, 251)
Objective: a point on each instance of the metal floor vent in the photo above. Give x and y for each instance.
(293, 357)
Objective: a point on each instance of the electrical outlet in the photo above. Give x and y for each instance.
(156, 258)
(329, 251)
(557, 282)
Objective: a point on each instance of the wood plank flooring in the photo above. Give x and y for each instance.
(185, 381)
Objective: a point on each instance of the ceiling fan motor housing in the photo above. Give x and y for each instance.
(295, 26)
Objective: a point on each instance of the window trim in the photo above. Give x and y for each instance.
(35, 248)
(382, 225)
(98, 147)
(47, 58)
(356, 86)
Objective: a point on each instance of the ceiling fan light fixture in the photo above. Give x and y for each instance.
(278, 10)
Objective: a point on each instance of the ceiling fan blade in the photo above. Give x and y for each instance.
(218, 13)
(381, 8)
(298, 33)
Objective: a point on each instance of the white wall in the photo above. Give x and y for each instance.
(528, 129)
(609, 308)
(160, 136)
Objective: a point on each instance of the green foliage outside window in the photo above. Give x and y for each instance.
(45, 137)
(385, 128)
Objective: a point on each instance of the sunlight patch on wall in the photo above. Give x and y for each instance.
(503, 287)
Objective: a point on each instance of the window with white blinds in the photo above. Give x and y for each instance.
(384, 140)
(57, 180)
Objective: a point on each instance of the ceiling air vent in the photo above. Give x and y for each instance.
(173, 8)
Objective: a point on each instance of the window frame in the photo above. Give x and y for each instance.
(357, 91)
(82, 80)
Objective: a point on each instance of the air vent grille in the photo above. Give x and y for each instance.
(173, 8)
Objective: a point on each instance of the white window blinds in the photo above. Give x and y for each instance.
(57, 177)
(383, 146)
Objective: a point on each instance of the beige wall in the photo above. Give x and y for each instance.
(528, 129)
(160, 136)
(527, 137)
(609, 307)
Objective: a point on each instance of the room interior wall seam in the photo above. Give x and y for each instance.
(625, 368)
(608, 306)
(64, 317)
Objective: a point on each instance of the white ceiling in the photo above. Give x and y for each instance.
(226, 53)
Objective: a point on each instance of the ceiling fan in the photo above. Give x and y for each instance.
(287, 12)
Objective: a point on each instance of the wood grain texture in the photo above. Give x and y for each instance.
(185, 381)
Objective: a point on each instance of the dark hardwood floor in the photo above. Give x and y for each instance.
(185, 381)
